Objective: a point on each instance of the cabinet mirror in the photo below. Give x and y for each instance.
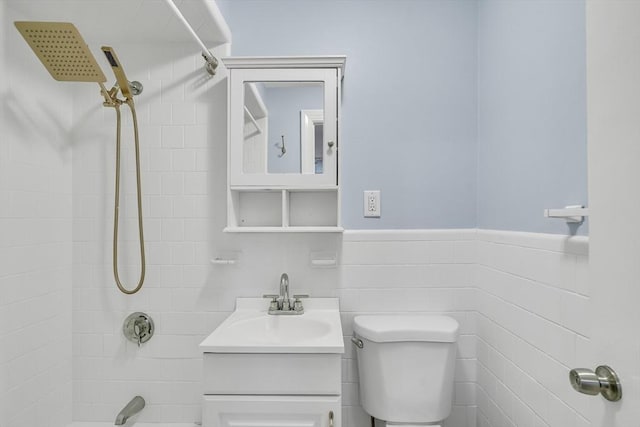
(285, 119)
(283, 127)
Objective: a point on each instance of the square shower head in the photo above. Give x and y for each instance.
(62, 51)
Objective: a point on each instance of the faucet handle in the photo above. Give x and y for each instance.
(273, 305)
(297, 304)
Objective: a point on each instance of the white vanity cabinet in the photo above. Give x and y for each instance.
(272, 390)
(262, 370)
(283, 123)
(272, 411)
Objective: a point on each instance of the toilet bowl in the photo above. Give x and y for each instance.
(406, 365)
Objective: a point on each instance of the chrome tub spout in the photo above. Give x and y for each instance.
(132, 408)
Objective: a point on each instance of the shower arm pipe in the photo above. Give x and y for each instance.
(212, 62)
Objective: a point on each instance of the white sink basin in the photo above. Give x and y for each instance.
(269, 329)
(250, 329)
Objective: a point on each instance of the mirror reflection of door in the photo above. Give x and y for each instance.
(311, 137)
(290, 122)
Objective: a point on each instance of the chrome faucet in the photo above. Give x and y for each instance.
(283, 304)
(133, 407)
(284, 292)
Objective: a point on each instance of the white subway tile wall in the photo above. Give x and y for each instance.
(532, 328)
(35, 240)
(176, 149)
(410, 271)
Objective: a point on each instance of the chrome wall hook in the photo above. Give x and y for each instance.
(281, 147)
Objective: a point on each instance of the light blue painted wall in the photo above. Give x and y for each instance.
(409, 97)
(462, 113)
(532, 113)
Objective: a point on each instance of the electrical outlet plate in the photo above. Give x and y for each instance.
(372, 204)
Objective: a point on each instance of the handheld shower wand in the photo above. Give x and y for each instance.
(127, 88)
(117, 70)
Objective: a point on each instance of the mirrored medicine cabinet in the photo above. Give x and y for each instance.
(283, 117)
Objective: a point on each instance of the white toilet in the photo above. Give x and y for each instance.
(406, 365)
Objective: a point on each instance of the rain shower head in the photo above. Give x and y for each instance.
(62, 51)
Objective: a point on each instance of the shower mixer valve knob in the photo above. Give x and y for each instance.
(138, 327)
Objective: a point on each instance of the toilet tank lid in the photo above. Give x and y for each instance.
(406, 327)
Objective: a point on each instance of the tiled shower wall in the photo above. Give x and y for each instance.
(35, 238)
(532, 328)
(182, 118)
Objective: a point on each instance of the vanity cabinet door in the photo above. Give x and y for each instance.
(271, 411)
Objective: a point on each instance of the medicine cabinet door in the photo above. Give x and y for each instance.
(283, 128)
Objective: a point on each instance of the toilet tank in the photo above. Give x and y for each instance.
(406, 366)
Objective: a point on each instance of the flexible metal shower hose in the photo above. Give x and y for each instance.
(116, 212)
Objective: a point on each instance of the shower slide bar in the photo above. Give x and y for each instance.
(572, 214)
(212, 61)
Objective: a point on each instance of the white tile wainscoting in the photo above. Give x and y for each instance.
(419, 271)
(532, 328)
(519, 298)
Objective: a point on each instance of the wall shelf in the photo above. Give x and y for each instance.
(291, 210)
